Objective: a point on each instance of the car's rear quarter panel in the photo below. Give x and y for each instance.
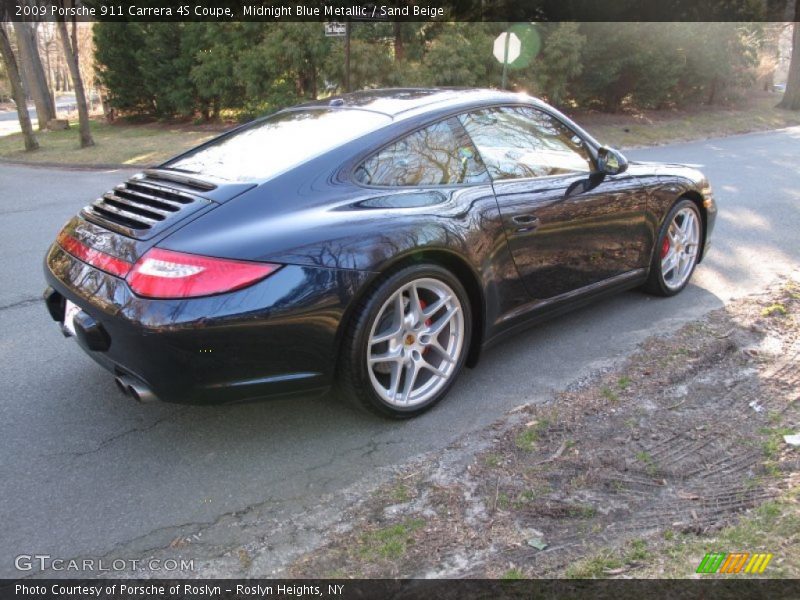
(248, 348)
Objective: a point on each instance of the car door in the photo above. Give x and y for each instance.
(440, 160)
(566, 226)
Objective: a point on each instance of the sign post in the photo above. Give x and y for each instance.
(339, 29)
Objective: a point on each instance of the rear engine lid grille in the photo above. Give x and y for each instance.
(143, 206)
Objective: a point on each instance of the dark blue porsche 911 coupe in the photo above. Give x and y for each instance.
(375, 242)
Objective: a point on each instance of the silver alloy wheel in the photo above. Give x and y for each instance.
(415, 342)
(680, 247)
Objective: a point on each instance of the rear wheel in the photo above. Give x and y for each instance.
(407, 342)
(677, 250)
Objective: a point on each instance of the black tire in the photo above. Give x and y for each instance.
(656, 284)
(354, 384)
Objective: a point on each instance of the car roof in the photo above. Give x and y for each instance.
(398, 103)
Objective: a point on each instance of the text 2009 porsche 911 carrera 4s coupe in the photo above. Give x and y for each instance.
(376, 241)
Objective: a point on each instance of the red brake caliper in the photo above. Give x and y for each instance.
(665, 247)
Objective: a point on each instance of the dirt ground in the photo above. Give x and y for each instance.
(634, 472)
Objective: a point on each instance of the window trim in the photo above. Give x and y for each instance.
(347, 171)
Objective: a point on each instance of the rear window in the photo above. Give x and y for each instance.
(280, 142)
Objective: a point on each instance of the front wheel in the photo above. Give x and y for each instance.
(407, 342)
(677, 250)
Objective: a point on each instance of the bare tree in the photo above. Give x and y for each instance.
(17, 90)
(70, 46)
(28, 49)
(791, 97)
(47, 38)
(84, 35)
(399, 48)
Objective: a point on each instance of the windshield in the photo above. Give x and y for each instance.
(269, 147)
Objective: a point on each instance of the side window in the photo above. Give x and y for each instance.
(522, 142)
(437, 155)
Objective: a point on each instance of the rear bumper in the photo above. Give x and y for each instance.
(277, 337)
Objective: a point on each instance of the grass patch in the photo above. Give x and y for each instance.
(492, 460)
(605, 562)
(774, 309)
(582, 511)
(774, 527)
(609, 394)
(512, 574)
(400, 493)
(647, 460)
(773, 443)
(637, 551)
(647, 128)
(503, 501)
(524, 497)
(134, 145)
(594, 567)
(389, 543)
(526, 439)
(774, 417)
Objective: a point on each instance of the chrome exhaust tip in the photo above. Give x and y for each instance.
(121, 386)
(141, 393)
(134, 388)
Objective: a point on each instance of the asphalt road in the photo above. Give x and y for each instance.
(9, 120)
(86, 472)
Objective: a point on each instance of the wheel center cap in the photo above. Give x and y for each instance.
(410, 339)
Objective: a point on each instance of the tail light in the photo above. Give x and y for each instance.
(168, 274)
(96, 258)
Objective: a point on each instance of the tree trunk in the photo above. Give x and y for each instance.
(791, 97)
(46, 42)
(19, 93)
(712, 94)
(32, 67)
(399, 49)
(77, 82)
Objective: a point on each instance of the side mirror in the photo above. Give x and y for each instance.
(611, 161)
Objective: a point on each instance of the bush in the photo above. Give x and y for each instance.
(202, 69)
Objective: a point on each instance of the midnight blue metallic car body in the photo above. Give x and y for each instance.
(594, 234)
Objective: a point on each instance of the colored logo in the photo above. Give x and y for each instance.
(736, 562)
